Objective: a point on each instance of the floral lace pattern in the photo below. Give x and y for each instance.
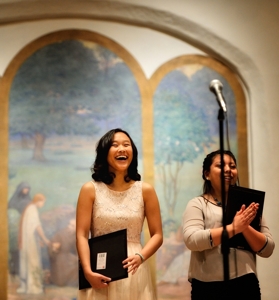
(113, 210)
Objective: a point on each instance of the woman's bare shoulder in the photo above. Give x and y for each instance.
(87, 190)
(88, 185)
(147, 187)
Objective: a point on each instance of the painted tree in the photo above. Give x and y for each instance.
(182, 130)
(69, 88)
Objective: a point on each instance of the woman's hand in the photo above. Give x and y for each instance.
(132, 263)
(244, 217)
(97, 281)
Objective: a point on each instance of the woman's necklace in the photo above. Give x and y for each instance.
(217, 202)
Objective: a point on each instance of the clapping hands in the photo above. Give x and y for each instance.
(244, 217)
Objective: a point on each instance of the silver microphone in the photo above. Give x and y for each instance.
(216, 87)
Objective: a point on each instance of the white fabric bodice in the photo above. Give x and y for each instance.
(113, 210)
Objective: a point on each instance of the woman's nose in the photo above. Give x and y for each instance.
(227, 168)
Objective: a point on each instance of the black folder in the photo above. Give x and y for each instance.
(237, 196)
(106, 255)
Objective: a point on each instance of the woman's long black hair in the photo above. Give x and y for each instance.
(206, 167)
(100, 168)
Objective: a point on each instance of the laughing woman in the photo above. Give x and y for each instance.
(116, 199)
(202, 229)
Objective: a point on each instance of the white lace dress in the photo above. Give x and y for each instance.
(114, 211)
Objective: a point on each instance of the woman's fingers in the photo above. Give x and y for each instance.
(132, 263)
(245, 216)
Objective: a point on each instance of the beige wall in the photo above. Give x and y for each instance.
(242, 34)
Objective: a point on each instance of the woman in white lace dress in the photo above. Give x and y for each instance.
(116, 199)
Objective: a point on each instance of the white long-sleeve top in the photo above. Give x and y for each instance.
(206, 262)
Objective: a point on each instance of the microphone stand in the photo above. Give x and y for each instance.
(225, 237)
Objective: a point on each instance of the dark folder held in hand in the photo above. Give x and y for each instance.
(237, 196)
(106, 255)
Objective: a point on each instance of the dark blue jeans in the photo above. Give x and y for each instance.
(240, 288)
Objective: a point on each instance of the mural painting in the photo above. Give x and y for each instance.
(186, 129)
(63, 98)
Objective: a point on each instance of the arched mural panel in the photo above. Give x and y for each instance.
(64, 91)
(186, 129)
